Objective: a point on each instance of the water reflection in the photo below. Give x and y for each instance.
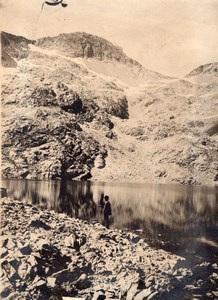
(169, 214)
(72, 198)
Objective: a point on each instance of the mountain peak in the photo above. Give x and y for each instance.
(103, 115)
(99, 55)
(208, 69)
(85, 45)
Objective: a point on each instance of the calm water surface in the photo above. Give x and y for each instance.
(180, 219)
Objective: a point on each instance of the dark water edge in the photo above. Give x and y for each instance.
(178, 219)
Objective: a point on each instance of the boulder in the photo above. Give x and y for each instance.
(132, 292)
(4, 252)
(49, 252)
(18, 254)
(7, 268)
(99, 162)
(6, 289)
(3, 241)
(24, 271)
(149, 281)
(26, 249)
(51, 281)
(83, 282)
(10, 244)
(31, 260)
(42, 290)
(134, 238)
(144, 294)
(39, 224)
(39, 241)
(15, 263)
(69, 240)
(110, 294)
(99, 295)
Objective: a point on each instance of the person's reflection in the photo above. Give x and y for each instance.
(100, 209)
(76, 209)
(107, 212)
(101, 203)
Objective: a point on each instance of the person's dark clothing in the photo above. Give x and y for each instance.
(107, 208)
(107, 213)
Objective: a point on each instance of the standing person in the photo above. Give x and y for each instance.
(107, 211)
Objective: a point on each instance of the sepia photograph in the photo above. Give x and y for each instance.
(109, 150)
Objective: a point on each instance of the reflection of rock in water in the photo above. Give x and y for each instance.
(170, 217)
(3, 192)
(70, 197)
(77, 200)
(177, 228)
(186, 242)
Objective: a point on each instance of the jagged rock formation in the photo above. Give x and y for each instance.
(75, 106)
(43, 136)
(81, 44)
(99, 55)
(48, 256)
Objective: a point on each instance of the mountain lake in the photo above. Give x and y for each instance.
(180, 219)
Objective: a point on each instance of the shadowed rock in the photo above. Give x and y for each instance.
(39, 224)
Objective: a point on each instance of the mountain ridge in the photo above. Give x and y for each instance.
(85, 50)
(13, 48)
(71, 118)
(88, 46)
(210, 69)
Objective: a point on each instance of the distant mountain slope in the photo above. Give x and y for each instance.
(100, 55)
(46, 101)
(13, 48)
(101, 115)
(209, 69)
(85, 45)
(96, 53)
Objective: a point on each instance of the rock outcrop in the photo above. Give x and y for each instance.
(44, 115)
(13, 48)
(96, 49)
(208, 69)
(49, 256)
(75, 106)
(81, 44)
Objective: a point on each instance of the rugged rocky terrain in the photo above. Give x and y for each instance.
(75, 106)
(205, 69)
(49, 256)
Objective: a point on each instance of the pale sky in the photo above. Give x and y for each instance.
(168, 36)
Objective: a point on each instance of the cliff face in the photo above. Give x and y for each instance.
(75, 106)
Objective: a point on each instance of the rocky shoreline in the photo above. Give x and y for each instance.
(45, 255)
